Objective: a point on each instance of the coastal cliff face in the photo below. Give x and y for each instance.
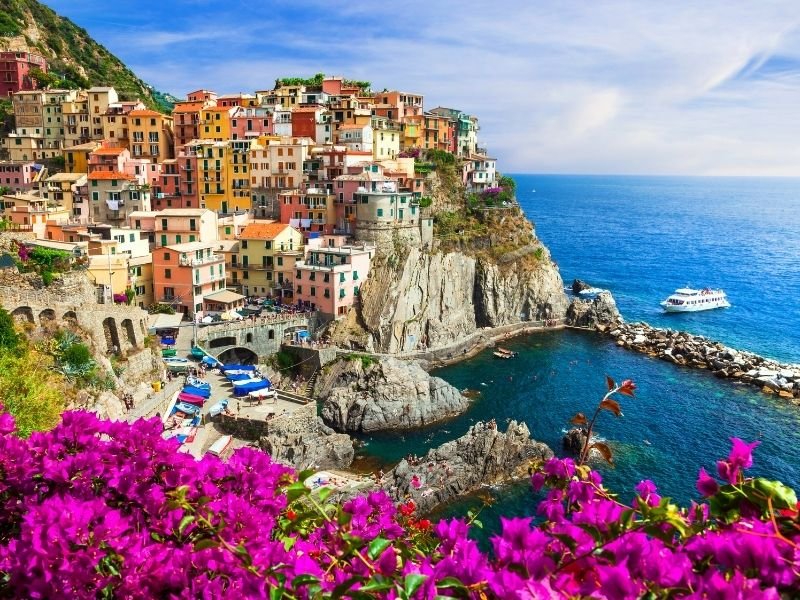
(482, 456)
(431, 298)
(601, 310)
(369, 395)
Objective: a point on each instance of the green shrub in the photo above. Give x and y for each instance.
(30, 391)
(9, 338)
(425, 201)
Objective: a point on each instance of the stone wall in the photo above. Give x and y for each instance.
(262, 336)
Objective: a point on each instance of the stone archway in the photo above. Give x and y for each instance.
(111, 334)
(71, 318)
(239, 355)
(222, 341)
(23, 313)
(128, 332)
(48, 314)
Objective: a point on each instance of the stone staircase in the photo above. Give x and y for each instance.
(308, 390)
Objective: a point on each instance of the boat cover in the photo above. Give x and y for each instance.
(263, 393)
(250, 387)
(198, 383)
(241, 382)
(218, 408)
(191, 398)
(211, 361)
(238, 367)
(205, 393)
(233, 376)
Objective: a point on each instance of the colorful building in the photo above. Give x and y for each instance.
(151, 135)
(28, 212)
(113, 195)
(180, 225)
(19, 176)
(356, 137)
(215, 123)
(260, 245)
(183, 274)
(311, 211)
(329, 279)
(248, 122)
(15, 69)
(387, 136)
(76, 158)
(70, 191)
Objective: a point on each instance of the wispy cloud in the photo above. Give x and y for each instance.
(614, 86)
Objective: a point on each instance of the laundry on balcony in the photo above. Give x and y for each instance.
(113, 204)
(294, 222)
(305, 222)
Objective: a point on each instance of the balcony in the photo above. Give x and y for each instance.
(198, 262)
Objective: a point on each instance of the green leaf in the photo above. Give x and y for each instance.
(378, 584)
(185, 522)
(377, 546)
(324, 493)
(782, 496)
(296, 490)
(343, 587)
(206, 543)
(450, 583)
(413, 582)
(304, 580)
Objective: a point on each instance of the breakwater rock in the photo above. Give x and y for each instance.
(600, 310)
(302, 440)
(699, 352)
(363, 394)
(482, 456)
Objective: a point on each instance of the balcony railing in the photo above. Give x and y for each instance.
(196, 262)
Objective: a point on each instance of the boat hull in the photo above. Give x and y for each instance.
(671, 308)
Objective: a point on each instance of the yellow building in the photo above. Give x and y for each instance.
(76, 158)
(386, 138)
(65, 189)
(151, 135)
(258, 258)
(99, 99)
(223, 175)
(140, 275)
(215, 123)
(75, 119)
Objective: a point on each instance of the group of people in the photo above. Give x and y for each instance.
(127, 399)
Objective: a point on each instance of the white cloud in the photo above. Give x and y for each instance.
(614, 86)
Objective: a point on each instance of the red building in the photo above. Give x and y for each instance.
(304, 121)
(15, 71)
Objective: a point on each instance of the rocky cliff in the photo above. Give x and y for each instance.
(365, 394)
(484, 271)
(302, 440)
(600, 310)
(483, 456)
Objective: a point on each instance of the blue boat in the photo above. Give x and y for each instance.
(204, 392)
(212, 362)
(198, 383)
(239, 376)
(189, 409)
(218, 408)
(243, 390)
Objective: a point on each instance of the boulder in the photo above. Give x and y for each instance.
(363, 395)
(483, 456)
(578, 286)
(574, 440)
(588, 313)
(302, 440)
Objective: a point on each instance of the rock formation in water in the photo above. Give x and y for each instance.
(361, 394)
(431, 297)
(599, 312)
(302, 440)
(483, 456)
(578, 286)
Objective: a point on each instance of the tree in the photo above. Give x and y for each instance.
(30, 391)
(9, 338)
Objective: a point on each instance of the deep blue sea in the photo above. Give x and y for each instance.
(641, 238)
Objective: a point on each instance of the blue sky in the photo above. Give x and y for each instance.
(709, 88)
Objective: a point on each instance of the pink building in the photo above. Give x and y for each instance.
(18, 176)
(15, 67)
(184, 274)
(166, 191)
(109, 159)
(187, 167)
(250, 122)
(330, 278)
(310, 211)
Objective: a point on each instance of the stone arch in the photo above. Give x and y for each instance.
(70, 317)
(223, 341)
(111, 334)
(248, 338)
(128, 332)
(48, 314)
(238, 355)
(23, 313)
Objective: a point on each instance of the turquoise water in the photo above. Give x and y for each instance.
(642, 238)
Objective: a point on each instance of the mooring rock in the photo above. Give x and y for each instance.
(483, 456)
(375, 394)
(602, 309)
(579, 285)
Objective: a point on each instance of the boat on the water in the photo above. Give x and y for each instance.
(504, 353)
(691, 300)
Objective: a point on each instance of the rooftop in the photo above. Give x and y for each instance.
(182, 212)
(106, 151)
(144, 112)
(110, 175)
(262, 231)
(66, 177)
(190, 246)
(81, 147)
(225, 296)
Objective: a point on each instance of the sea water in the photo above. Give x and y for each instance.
(642, 238)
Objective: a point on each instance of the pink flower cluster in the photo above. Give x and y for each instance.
(107, 509)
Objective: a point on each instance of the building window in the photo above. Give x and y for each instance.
(167, 273)
(380, 212)
(313, 291)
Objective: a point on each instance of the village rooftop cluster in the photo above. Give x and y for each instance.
(285, 193)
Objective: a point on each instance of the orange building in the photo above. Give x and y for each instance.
(184, 274)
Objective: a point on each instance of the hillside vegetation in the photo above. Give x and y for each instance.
(76, 59)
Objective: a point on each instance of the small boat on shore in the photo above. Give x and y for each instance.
(691, 300)
(504, 353)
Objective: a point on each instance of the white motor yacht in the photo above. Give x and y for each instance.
(690, 300)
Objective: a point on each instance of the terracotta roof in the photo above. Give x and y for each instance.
(108, 175)
(262, 231)
(106, 151)
(308, 109)
(350, 126)
(218, 108)
(144, 112)
(181, 107)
